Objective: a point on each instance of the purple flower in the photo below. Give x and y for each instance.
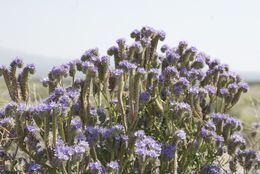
(125, 64)
(80, 137)
(121, 138)
(112, 50)
(178, 89)
(43, 107)
(3, 68)
(180, 135)
(141, 70)
(121, 41)
(205, 133)
(6, 121)
(194, 90)
(91, 53)
(34, 167)
(17, 61)
(117, 72)
(233, 122)
(192, 50)
(168, 151)
(210, 169)
(30, 68)
(164, 48)
(232, 75)
(113, 165)
(170, 71)
(93, 111)
(59, 91)
(219, 117)
(76, 123)
(81, 147)
(2, 113)
(154, 71)
(147, 30)
(247, 153)
(161, 34)
(181, 106)
(137, 46)
(119, 127)
(183, 44)
(233, 86)
(139, 134)
(243, 86)
(73, 93)
(135, 33)
(10, 107)
(95, 166)
(145, 96)
(58, 71)
(219, 138)
(92, 134)
(223, 67)
(184, 82)
(213, 63)
(210, 125)
(64, 101)
(196, 74)
(145, 41)
(32, 129)
(238, 139)
(63, 152)
(147, 146)
(224, 91)
(108, 132)
(211, 89)
(89, 66)
(200, 59)
(172, 57)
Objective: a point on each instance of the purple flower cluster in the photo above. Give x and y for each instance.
(142, 116)
(180, 135)
(168, 151)
(146, 146)
(64, 152)
(210, 169)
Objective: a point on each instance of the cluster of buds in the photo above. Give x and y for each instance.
(18, 87)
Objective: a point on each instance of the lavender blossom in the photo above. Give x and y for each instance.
(125, 64)
(32, 128)
(117, 72)
(210, 169)
(76, 123)
(211, 89)
(168, 151)
(95, 166)
(34, 167)
(113, 165)
(147, 147)
(17, 62)
(145, 96)
(180, 135)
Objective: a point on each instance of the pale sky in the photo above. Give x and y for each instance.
(228, 30)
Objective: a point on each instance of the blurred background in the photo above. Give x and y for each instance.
(51, 32)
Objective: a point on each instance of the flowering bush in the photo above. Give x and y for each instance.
(148, 113)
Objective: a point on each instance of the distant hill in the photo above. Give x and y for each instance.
(43, 64)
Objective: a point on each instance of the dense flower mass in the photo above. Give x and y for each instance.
(153, 111)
